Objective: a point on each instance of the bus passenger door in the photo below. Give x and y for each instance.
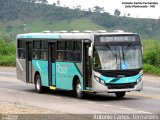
(87, 65)
(29, 62)
(51, 64)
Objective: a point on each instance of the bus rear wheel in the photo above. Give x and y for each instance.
(120, 94)
(78, 90)
(38, 85)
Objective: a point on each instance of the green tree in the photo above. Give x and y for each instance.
(98, 9)
(117, 12)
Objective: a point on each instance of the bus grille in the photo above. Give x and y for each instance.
(121, 86)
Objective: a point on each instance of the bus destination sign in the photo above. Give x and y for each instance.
(117, 39)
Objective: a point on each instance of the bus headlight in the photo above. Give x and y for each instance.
(99, 80)
(141, 72)
(102, 82)
(139, 80)
(96, 78)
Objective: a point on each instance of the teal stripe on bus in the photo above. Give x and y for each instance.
(40, 36)
(123, 80)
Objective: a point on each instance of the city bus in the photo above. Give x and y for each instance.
(94, 62)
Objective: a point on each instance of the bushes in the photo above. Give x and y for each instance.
(151, 56)
(8, 60)
(151, 69)
(7, 52)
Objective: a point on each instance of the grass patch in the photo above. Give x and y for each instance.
(39, 25)
(151, 69)
(8, 60)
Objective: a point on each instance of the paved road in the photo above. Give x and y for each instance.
(144, 102)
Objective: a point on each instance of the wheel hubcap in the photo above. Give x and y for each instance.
(38, 84)
(78, 89)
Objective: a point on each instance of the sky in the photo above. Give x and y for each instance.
(111, 5)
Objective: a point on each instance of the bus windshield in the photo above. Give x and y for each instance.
(121, 57)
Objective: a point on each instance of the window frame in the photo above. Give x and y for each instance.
(40, 49)
(23, 48)
(78, 51)
(43, 49)
(36, 49)
(72, 51)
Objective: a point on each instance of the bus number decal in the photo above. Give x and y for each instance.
(61, 69)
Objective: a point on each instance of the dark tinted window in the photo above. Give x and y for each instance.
(35, 54)
(21, 53)
(78, 46)
(60, 55)
(21, 49)
(69, 45)
(69, 51)
(77, 51)
(43, 45)
(69, 56)
(40, 50)
(43, 54)
(43, 51)
(21, 43)
(60, 50)
(60, 45)
(77, 56)
(36, 45)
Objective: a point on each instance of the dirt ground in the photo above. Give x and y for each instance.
(13, 108)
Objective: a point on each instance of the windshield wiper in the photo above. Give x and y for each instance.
(116, 58)
(115, 55)
(123, 54)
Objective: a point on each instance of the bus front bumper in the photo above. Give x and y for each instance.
(99, 88)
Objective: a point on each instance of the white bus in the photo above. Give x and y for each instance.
(81, 62)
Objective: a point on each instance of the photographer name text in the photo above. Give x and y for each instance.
(140, 4)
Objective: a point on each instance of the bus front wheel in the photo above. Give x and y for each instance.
(120, 94)
(78, 90)
(38, 86)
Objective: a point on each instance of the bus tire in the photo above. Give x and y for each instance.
(78, 89)
(120, 94)
(38, 85)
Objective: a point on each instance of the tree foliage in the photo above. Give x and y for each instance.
(98, 9)
(117, 12)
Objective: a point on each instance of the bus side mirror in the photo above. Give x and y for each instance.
(90, 51)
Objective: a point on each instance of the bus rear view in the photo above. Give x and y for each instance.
(117, 63)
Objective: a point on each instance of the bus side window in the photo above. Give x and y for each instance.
(43, 51)
(35, 54)
(60, 56)
(60, 50)
(69, 54)
(77, 51)
(36, 50)
(21, 49)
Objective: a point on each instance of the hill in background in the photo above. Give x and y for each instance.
(20, 16)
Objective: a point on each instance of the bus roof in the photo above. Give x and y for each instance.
(67, 35)
(55, 35)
